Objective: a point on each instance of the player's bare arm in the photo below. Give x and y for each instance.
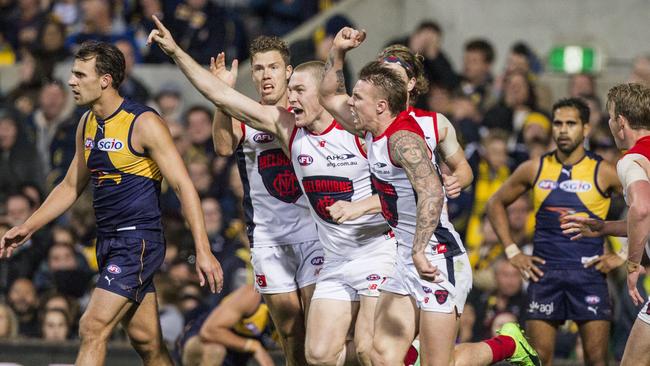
(332, 94)
(638, 222)
(230, 101)
(410, 152)
(516, 185)
(151, 135)
(342, 211)
(226, 132)
(58, 201)
(218, 326)
(454, 156)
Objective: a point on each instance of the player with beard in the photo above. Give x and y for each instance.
(333, 170)
(568, 277)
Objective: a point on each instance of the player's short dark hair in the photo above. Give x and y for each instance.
(578, 103)
(631, 101)
(270, 43)
(483, 46)
(390, 85)
(108, 60)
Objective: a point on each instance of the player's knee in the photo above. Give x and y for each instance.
(363, 347)
(145, 341)
(92, 329)
(382, 354)
(318, 353)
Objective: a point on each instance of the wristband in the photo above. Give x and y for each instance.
(632, 267)
(512, 250)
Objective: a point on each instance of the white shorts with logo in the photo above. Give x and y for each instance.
(347, 280)
(440, 297)
(286, 268)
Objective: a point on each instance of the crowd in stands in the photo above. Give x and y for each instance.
(501, 116)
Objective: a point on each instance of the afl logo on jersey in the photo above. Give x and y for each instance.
(305, 160)
(575, 186)
(547, 184)
(110, 144)
(113, 269)
(89, 143)
(263, 138)
(318, 261)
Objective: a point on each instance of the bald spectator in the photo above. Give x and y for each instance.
(22, 299)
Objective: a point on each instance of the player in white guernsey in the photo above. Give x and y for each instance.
(628, 106)
(432, 276)
(285, 252)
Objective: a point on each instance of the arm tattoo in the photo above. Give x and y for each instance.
(330, 62)
(410, 152)
(340, 82)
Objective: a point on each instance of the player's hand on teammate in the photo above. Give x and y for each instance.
(526, 264)
(163, 37)
(218, 69)
(208, 267)
(426, 270)
(342, 211)
(581, 226)
(606, 262)
(632, 279)
(452, 185)
(348, 38)
(12, 239)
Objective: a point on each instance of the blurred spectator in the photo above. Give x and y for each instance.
(517, 102)
(50, 48)
(199, 27)
(279, 17)
(55, 326)
(198, 121)
(99, 24)
(317, 46)
(7, 54)
(476, 79)
(507, 297)
(62, 150)
(19, 162)
(467, 118)
(8, 323)
(53, 110)
(191, 301)
(64, 270)
(489, 162)
(171, 319)
(28, 23)
(22, 299)
(58, 301)
(66, 11)
(24, 96)
(522, 58)
(131, 87)
(426, 40)
(140, 19)
(169, 102)
(641, 71)
(199, 171)
(582, 84)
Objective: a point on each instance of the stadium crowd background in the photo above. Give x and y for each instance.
(501, 116)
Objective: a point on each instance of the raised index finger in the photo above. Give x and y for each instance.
(158, 23)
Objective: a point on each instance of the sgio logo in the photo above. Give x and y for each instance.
(110, 144)
(575, 186)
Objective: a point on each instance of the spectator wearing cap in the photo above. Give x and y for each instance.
(317, 46)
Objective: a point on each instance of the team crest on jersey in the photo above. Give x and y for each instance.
(575, 186)
(278, 175)
(263, 138)
(388, 198)
(441, 296)
(547, 184)
(323, 191)
(89, 143)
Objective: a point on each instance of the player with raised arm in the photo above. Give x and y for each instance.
(568, 277)
(332, 167)
(126, 149)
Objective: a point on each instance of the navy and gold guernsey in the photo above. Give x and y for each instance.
(126, 189)
(126, 183)
(567, 290)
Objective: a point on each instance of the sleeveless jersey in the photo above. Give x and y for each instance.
(560, 189)
(274, 207)
(398, 199)
(254, 325)
(332, 166)
(126, 183)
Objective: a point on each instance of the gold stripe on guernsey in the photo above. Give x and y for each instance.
(550, 170)
(122, 158)
(592, 199)
(256, 323)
